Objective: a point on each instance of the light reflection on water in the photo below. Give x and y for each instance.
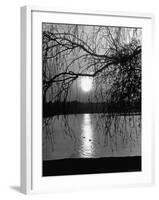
(87, 145)
(91, 135)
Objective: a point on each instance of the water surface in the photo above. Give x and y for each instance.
(91, 136)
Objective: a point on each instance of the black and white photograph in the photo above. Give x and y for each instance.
(91, 99)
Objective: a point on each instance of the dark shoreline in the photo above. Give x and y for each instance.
(75, 107)
(74, 166)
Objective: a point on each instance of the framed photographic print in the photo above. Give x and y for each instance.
(86, 100)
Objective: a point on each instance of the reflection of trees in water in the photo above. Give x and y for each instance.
(49, 129)
(115, 130)
(114, 127)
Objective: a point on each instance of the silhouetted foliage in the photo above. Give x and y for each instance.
(110, 55)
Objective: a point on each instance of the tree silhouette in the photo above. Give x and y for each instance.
(110, 55)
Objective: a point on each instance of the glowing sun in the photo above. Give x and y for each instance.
(86, 84)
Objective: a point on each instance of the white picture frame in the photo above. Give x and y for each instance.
(31, 111)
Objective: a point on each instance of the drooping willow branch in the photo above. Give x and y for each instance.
(73, 75)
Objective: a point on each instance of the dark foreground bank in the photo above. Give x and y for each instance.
(91, 165)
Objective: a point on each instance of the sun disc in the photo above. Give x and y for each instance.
(86, 84)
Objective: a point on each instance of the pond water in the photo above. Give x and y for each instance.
(91, 136)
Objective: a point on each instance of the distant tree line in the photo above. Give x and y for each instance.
(75, 107)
